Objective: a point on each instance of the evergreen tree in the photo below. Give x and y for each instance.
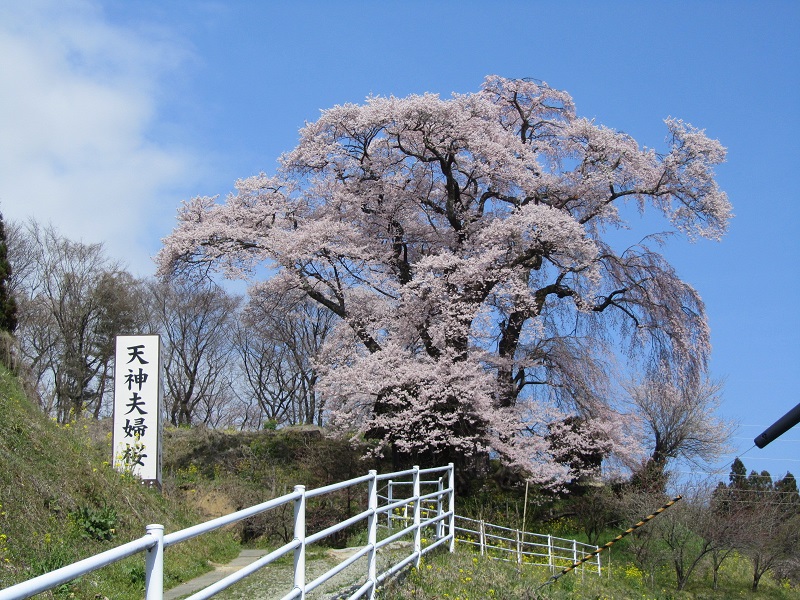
(788, 494)
(738, 476)
(8, 306)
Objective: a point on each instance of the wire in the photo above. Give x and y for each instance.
(753, 475)
(749, 438)
(766, 458)
(724, 468)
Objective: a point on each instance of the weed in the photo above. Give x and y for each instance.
(96, 523)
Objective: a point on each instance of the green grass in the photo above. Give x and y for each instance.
(60, 501)
(466, 575)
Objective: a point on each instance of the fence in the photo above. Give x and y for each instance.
(153, 543)
(502, 543)
(535, 549)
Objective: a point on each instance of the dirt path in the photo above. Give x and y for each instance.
(275, 580)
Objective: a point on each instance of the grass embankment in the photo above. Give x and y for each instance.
(60, 501)
(465, 575)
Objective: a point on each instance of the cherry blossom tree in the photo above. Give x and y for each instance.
(462, 245)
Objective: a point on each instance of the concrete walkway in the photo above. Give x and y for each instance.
(245, 558)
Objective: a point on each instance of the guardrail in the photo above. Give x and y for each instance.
(503, 543)
(154, 541)
(524, 548)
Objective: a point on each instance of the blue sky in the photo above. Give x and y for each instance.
(112, 112)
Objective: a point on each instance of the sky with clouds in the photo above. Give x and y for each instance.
(112, 112)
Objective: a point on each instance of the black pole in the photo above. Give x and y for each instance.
(779, 427)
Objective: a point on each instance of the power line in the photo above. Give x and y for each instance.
(764, 458)
(753, 475)
(748, 438)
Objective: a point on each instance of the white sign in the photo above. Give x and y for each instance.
(137, 407)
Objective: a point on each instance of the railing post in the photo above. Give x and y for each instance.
(597, 556)
(519, 549)
(300, 534)
(390, 499)
(372, 534)
(575, 553)
(451, 505)
(439, 523)
(550, 552)
(154, 565)
(417, 517)
(482, 535)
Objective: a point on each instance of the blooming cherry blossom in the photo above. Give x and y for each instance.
(462, 245)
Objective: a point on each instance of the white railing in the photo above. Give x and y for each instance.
(501, 543)
(440, 522)
(524, 548)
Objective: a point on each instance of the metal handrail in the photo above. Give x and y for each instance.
(201, 528)
(82, 567)
(518, 546)
(154, 542)
(432, 514)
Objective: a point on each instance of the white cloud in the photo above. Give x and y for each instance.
(77, 107)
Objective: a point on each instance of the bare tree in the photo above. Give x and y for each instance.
(680, 422)
(762, 519)
(73, 301)
(278, 341)
(196, 323)
(769, 538)
(271, 386)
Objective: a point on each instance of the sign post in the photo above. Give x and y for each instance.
(136, 443)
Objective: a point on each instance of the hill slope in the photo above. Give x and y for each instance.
(60, 501)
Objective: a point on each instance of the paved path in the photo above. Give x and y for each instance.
(270, 583)
(245, 558)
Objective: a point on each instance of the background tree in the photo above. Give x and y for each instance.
(279, 340)
(680, 422)
(270, 385)
(73, 301)
(8, 305)
(196, 325)
(686, 530)
(761, 520)
(461, 245)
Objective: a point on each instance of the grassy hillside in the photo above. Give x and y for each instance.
(467, 576)
(60, 501)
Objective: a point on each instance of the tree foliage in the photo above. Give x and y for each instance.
(761, 519)
(462, 245)
(8, 305)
